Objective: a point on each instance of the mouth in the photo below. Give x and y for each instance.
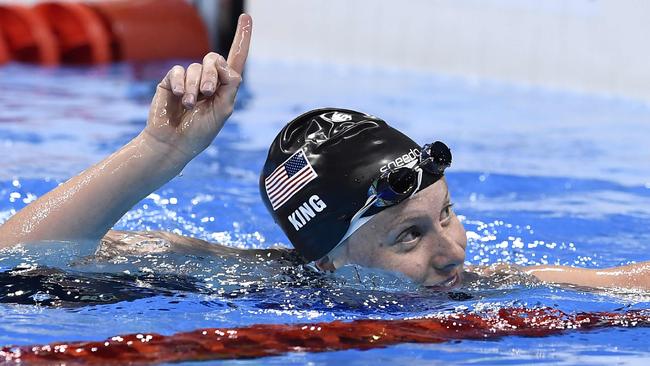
(449, 283)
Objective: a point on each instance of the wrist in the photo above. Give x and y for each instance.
(160, 158)
(170, 155)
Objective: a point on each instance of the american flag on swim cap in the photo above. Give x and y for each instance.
(289, 178)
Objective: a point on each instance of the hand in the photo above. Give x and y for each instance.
(191, 105)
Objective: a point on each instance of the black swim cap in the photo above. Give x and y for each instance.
(319, 169)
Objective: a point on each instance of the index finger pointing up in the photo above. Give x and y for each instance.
(241, 42)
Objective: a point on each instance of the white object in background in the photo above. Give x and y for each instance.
(585, 45)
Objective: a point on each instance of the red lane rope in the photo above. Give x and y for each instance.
(276, 339)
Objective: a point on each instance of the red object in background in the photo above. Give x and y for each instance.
(27, 36)
(100, 32)
(144, 30)
(4, 53)
(82, 38)
(264, 340)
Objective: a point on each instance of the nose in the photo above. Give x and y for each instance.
(448, 256)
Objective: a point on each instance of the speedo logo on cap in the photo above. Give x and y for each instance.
(307, 211)
(400, 161)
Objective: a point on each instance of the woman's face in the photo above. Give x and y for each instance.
(421, 238)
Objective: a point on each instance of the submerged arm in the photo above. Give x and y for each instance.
(187, 112)
(632, 276)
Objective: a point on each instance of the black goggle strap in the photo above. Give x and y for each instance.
(374, 200)
(371, 201)
(438, 164)
(357, 220)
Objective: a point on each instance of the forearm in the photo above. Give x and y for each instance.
(633, 276)
(187, 111)
(87, 205)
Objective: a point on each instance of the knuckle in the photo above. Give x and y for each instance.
(221, 59)
(177, 68)
(210, 56)
(234, 76)
(195, 65)
(212, 77)
(209, 71)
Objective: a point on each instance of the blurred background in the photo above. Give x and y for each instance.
(585, 45)
(588, 45)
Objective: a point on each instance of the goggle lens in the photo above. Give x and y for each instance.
(401, 181)
(435, 158)
(396, 184)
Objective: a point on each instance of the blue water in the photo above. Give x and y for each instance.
(539, 176)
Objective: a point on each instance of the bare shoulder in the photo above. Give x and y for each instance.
(496, 276)
(493, 269)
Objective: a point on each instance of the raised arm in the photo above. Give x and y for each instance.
(187, 112)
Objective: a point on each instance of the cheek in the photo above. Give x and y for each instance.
(364, 255)
(413, 264)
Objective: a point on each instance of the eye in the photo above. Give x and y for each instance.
(408, 237)
(445, 214)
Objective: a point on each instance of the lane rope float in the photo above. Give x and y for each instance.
(276, 339)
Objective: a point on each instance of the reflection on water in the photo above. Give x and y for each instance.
(539, 177)
(273, 279)
(259, 279)
(54, 287)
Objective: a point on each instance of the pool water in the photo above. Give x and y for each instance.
(539, 176)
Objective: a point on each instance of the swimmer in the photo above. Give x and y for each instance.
(345, 187)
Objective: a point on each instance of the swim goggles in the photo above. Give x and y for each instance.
(397, 184)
